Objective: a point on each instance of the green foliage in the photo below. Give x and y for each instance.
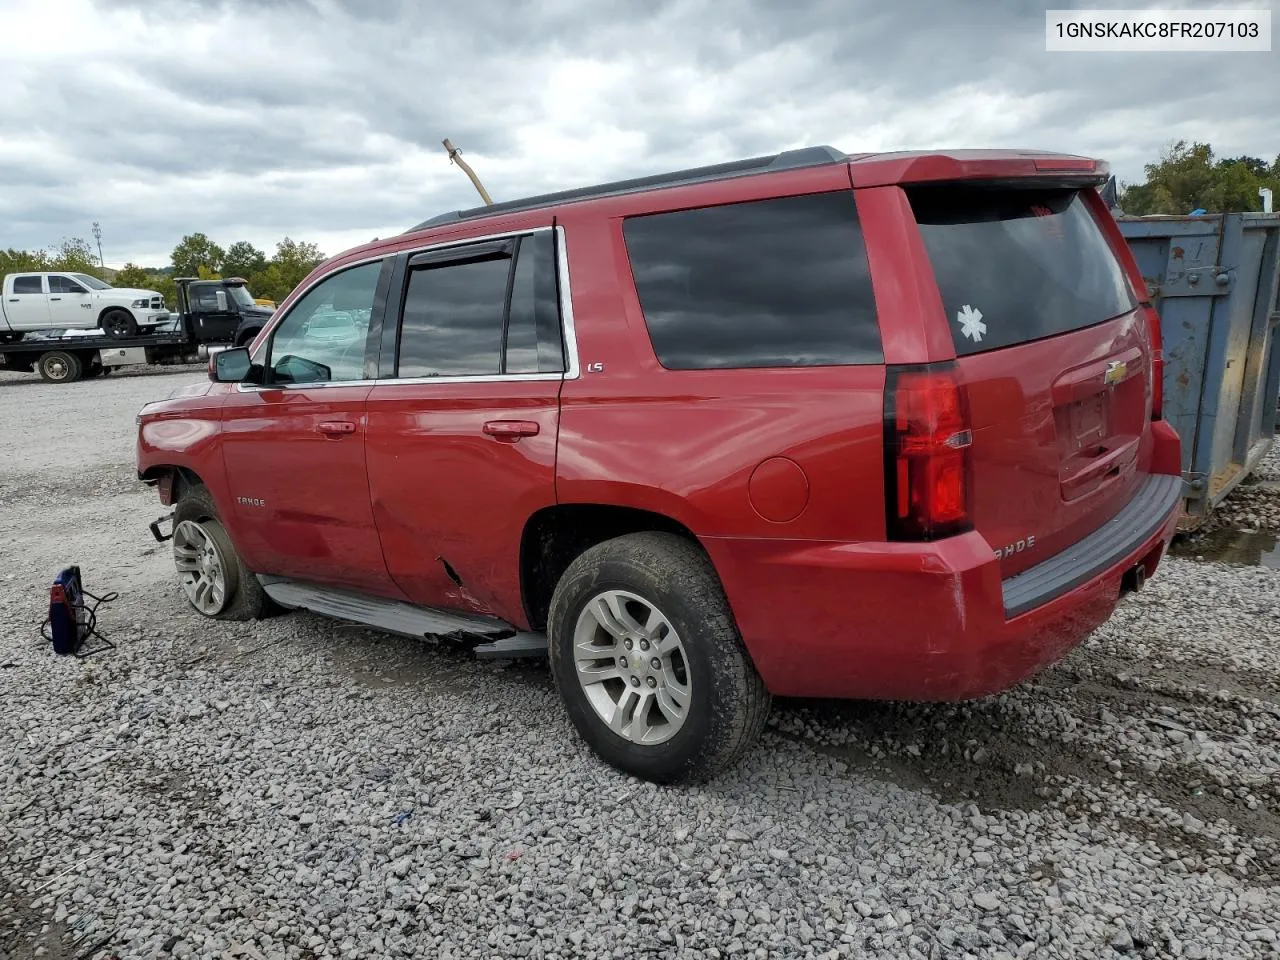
(23, 261)
(166, 286)
(243, 259)
(194, 251)
(296, 260)
(132, 275)
(72, 255)
(269, 283)
(1187, 178)
(288, 268)
(195, 256)
(76, 254)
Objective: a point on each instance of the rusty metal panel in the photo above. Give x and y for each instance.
(1215, 282)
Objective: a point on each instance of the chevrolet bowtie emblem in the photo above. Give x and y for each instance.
(1116, 371)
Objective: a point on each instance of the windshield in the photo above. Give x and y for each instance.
(240, 294)
(1017, 265)
(93, 283)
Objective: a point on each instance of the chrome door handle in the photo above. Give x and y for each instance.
(510, 431)
(336, 428)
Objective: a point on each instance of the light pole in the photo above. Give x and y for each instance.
(97, 235)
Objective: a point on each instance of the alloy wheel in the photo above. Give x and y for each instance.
(201, 566)
(632, 667)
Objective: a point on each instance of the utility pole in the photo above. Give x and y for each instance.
(456, 156)
(97, 235)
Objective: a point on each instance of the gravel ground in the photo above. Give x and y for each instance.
(1254, 504)
(299, 788)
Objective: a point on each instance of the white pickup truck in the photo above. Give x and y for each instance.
(67, 300)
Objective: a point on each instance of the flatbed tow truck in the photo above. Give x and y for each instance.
(208, 315)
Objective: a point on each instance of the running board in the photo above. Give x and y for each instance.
(514, 647)
(390, 615)
(501, 640)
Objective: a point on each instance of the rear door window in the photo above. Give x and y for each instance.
(483, 310)
(27, 285)
(768, 283)
(1017, 265)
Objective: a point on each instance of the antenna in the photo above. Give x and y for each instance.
(97, 235)
(455, 155)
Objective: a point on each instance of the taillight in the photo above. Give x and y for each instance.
(927, 449)
(1157, 363)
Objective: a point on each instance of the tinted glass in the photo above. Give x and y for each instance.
(1018, 265)
(64, 285)
(209, 299)
(27, 285)
(533, 324)
(92, 283)
(452, 323)
(772, 283)
(323, 337)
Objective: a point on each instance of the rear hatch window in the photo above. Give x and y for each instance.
(1017, 265)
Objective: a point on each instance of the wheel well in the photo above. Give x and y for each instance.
(555, 536)
(247, 336)
(113, 309)
(182, 478)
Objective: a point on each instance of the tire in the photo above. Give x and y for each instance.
(726, 703)
(58, 366)
(242, 595)
(92, 370)
(247, 336)
(118, 324)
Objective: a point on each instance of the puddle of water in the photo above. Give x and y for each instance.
(1260, 548)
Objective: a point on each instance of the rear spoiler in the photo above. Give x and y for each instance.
(1011, 169)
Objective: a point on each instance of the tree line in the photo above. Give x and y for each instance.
(73, 256)
(1189, 177)
(270, 278)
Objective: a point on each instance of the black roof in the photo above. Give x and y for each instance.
(786, 160)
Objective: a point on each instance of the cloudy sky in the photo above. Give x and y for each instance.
(322, 119)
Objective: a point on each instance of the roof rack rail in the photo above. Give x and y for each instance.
(786, 160)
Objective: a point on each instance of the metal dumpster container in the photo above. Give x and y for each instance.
(1214, 280)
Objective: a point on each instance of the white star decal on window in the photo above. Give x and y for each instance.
(971, 324)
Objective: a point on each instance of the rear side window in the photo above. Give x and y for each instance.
(769, 283)
(453, 320)
(27, 285)
(1018, 265)
(485, 310)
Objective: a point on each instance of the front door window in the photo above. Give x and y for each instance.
(322, 339)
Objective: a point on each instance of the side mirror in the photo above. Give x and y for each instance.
(230, 366)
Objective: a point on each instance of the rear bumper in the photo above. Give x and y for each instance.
(931, 621)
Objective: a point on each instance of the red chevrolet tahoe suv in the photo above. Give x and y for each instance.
(877, 426)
